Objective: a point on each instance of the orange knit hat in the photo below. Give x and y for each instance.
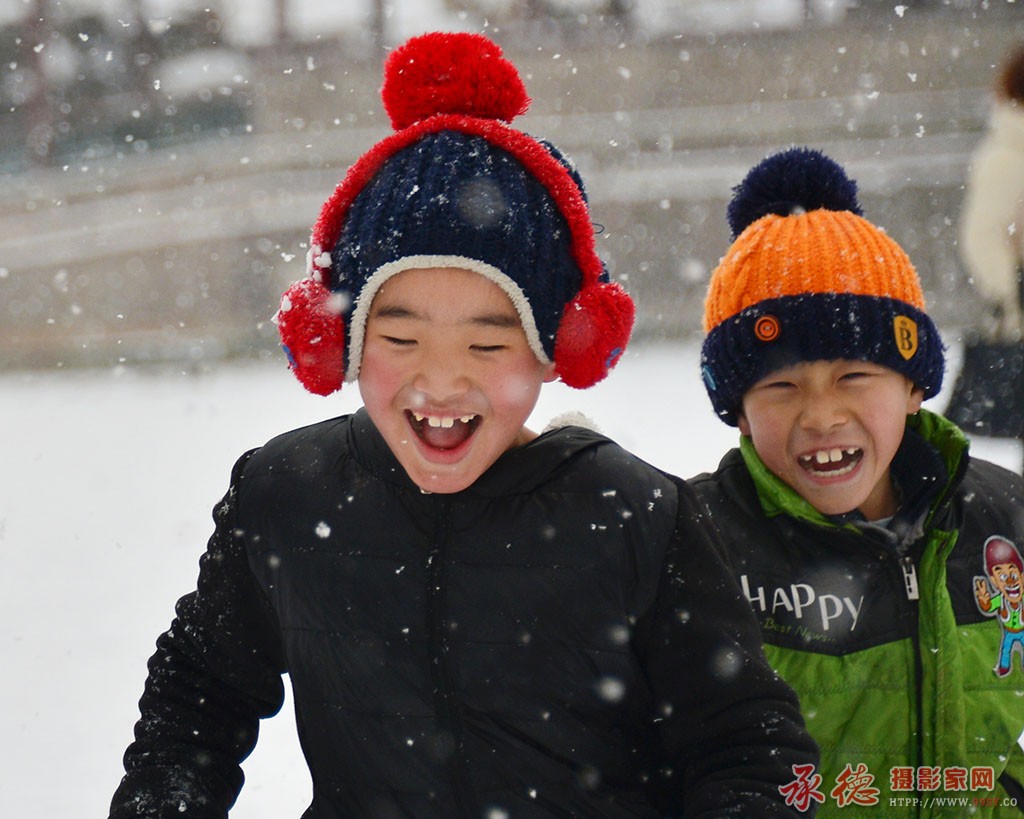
(808, 278)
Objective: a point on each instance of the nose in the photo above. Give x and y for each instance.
(823, 412)
(440, 376)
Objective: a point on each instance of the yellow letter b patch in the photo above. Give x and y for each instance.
(905, 330)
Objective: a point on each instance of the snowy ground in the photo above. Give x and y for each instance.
(105, 510)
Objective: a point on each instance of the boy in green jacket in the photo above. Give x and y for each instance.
(883, 563)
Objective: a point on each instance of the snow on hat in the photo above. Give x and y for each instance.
(808, 278)
(456, 186)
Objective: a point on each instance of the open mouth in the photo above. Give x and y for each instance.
(831, 463)
(1013, 592)
(443, 432)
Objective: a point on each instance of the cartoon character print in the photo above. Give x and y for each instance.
(1000, 595)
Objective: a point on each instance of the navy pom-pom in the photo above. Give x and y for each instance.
(793, 181)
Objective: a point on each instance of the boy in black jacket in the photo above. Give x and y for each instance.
(477, 621)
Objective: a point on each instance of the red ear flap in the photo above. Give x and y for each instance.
(313, 336)
(593, 333)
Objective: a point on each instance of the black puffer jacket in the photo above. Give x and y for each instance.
(558, 640)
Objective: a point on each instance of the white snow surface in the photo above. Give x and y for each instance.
(105, 502)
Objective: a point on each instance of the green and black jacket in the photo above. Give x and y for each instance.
(877, 627)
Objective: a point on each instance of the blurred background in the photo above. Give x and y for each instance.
(161, 164)
(162, 161)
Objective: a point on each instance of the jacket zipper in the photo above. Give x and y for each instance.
(909, 577)
(908, 572)
(449, 718)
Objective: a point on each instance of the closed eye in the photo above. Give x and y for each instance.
(855, 375)
(395, 341)
(487, 348)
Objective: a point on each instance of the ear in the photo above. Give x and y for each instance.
(550, 373)
(743, 423)
(915, 399)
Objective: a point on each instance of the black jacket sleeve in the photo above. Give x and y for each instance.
(730, 726)
(216, 672)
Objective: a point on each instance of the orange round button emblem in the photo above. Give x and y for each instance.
(767, 328)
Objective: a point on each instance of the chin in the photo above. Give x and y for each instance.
(445, 473)
(442, 483)
(832, 505)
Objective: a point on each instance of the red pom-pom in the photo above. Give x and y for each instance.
(313, 335)
(593, 334)
(446, 73)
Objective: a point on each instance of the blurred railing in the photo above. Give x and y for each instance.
(180, 253)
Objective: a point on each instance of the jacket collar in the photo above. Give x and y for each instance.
(519, 470)
(928, 466)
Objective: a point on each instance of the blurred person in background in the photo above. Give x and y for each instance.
(988, 398)
(992, 221)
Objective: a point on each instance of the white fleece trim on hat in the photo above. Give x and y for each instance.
(365, 298)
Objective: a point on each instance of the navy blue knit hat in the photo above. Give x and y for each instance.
(455, 186)
(809, 279)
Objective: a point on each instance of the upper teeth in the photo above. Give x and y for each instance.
(442, 421)
(824, 456)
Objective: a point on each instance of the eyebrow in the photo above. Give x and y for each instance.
(398, 311)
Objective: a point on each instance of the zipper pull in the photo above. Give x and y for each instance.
(909, 577)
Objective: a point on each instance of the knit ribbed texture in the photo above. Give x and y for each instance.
(456, 186)
(810, 286)
(454, 194)
(818, 252)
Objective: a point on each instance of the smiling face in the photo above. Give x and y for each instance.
(830, 430)
(1006, 578)
(447, 375)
